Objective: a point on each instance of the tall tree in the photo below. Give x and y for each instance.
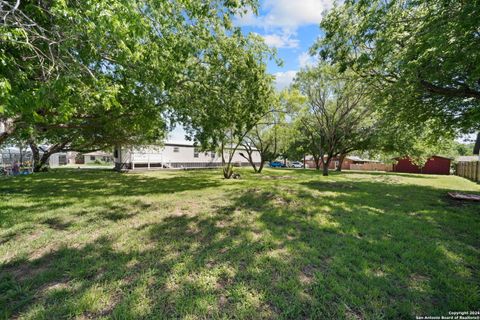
(338, 111)
(228, 95)
(268, 136)
(90, 73)
(422, 57)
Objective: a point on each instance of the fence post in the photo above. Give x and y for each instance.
(478, 171)
(474, 171)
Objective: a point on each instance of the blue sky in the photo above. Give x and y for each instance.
(290, 26)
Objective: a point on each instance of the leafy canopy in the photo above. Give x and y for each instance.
(422, 57)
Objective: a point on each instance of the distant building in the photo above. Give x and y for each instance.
(93, 157)
(434, 165)
(347, 162)
(12, 154)
(174, 155)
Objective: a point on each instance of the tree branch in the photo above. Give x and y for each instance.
(465, 92)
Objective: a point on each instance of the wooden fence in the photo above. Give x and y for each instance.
(469, 170)
(372, 166)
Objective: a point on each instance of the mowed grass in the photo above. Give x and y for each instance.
(285, 244)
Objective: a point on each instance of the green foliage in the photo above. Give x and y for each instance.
(339, 116)
(270, 136)
(227, 93)
(97, 73)
(421, 57)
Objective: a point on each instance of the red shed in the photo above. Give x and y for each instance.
(434, 165)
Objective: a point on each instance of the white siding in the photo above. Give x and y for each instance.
(176, 155)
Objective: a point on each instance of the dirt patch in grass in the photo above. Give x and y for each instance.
(42, 251)
(57, 223)
(329, 186)
(277, 177)
(56, 285)
(418, 282)
(7, 237)
(24, 271)
(351, 314)
(307, 274)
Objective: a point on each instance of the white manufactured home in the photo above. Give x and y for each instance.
(175, 156)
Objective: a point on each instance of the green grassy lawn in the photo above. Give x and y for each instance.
(285, 244)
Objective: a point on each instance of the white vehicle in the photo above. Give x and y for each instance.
(296, 164)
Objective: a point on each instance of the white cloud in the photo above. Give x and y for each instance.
(282, 18)
(287, 14)
(284, 79)
(282, 40)
(305, 60)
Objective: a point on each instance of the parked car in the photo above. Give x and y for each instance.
(277, 164)
(296, 164)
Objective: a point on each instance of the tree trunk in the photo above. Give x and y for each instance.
(317, 162)
(254, 166)
(340, 162)
(3, 137)
(40, 164)
(20, 150)
(260, 167)
(325, 165)
(250, 158)
(227, 171)
(227, 167)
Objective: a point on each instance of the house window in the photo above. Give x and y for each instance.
(62, 159)
(92, 158)
(195, 153)
(115, 153)
(176, 149)
(212, 154)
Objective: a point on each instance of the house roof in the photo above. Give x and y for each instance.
(432, 156)
(355, 158)
(98, 154)
(191, 145)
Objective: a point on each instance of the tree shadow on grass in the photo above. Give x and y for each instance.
(71, 184)
(57, 279)
(189, 265)
(60, 189)
(316, 250)
(362, 259)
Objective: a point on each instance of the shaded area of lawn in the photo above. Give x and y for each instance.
(63, 188)
(287, 244)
